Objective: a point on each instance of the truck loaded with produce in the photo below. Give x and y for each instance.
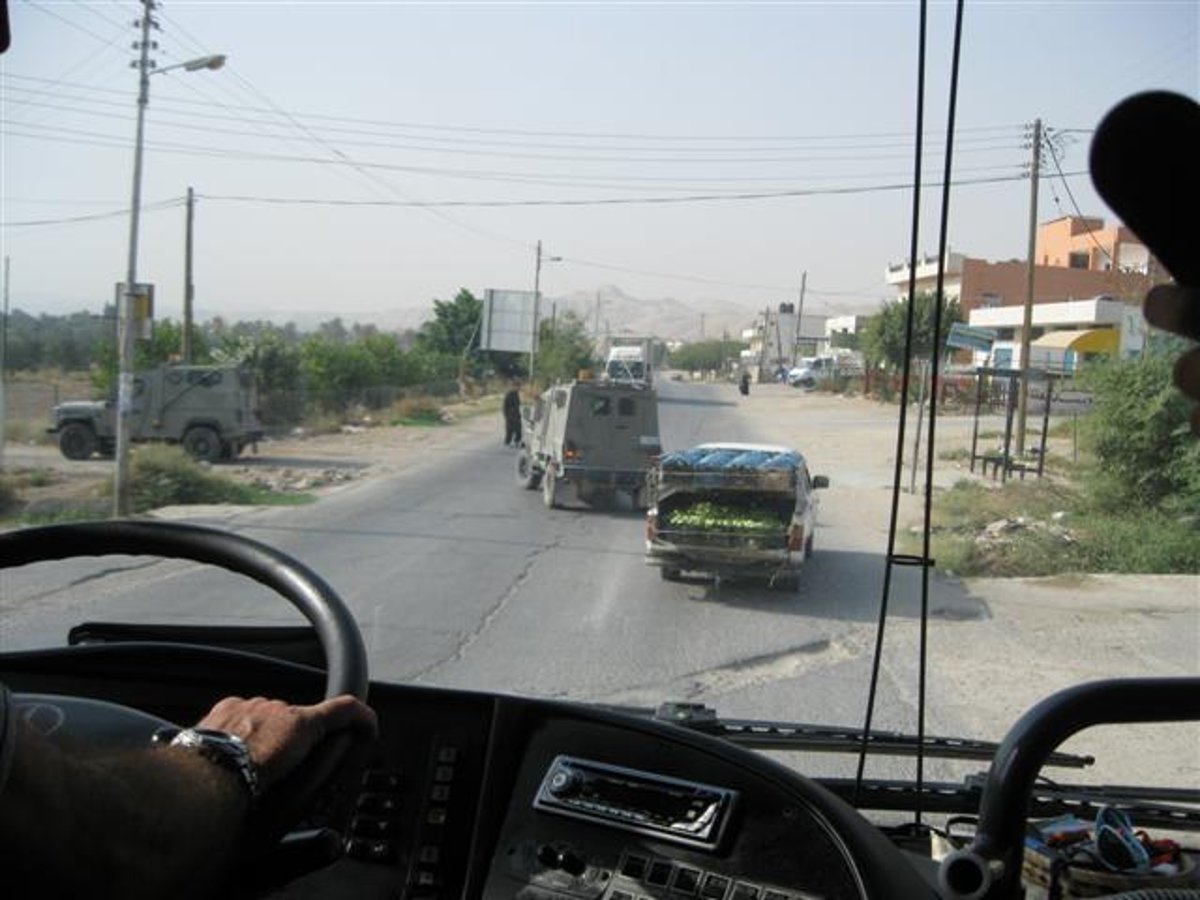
(732, 510)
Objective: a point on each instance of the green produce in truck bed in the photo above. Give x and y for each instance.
(732, 510)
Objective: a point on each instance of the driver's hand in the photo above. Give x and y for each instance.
(278, 735)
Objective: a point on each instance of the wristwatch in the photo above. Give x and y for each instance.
(225, 750)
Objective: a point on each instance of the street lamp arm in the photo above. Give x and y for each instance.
(212, 61)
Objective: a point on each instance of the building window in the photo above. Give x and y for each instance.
(990, 301)
(1078, 260)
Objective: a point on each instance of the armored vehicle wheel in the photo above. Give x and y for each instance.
(202, 443)
(527, 476)
(77, 441)
(550, 489)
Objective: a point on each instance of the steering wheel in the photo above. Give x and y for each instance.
(97, 723)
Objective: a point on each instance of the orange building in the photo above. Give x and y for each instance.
(1077, 258)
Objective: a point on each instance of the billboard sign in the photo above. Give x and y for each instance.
(508, 321)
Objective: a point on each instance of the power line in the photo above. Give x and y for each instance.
(80, 136)
(618, 201)
(860, 139)
(1057, 168)
(626, 201)
(94, 217)
(66, 21)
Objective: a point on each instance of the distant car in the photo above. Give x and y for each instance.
(814, 369)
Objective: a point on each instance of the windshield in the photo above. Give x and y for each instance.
(362, 198)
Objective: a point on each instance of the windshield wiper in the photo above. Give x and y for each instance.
(1148, 807)
(766, 735)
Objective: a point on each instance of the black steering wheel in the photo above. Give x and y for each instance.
(98, 723)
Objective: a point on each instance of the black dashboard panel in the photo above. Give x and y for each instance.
(774, 845)
(448, 806)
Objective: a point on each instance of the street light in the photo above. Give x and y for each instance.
(125, 336)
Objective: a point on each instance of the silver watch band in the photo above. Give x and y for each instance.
(219, 747)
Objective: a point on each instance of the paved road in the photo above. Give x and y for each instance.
(459, 578)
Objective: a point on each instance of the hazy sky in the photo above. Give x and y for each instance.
(528, 115)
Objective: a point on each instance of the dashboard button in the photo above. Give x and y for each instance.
(380, 804)
(743, 891)
(634, 866)
(714, 887)
(371, 826)
(686, 880)
(659, 873)
(381, 780)
(429, 854)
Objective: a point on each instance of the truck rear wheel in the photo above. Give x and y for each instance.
(527, 476)
(77, 441)
(202, 443)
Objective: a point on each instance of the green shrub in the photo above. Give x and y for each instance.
(416, 411)
(164, 475)
(1140, 435)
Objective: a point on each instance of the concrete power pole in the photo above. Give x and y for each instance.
(189, 288)
(125, 311)
(3, 366)
(1031, 266)
(799, 320)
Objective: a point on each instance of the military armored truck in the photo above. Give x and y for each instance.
(590, 439)
(212, 411)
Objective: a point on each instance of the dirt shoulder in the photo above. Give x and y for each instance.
(301, 462)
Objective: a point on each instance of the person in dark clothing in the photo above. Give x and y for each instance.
(512, 418)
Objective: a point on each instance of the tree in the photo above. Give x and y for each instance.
(883, 339)
(563, 349)
(703, 355)
(454, 328)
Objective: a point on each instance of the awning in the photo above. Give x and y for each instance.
(1087, 340)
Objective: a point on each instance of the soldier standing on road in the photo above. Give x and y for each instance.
(512, 417)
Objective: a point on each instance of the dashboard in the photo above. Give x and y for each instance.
(490, 796)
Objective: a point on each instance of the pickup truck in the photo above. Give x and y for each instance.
(732, 510)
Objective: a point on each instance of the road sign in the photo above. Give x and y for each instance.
(965, 337)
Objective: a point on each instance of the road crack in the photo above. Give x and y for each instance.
(491, 613)
(750, 671)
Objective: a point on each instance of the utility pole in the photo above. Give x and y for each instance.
(4, 366)
(537, 281)
(189, 289)
(125, 310)
(701, 326)
(799, 319)
(1030, 267)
